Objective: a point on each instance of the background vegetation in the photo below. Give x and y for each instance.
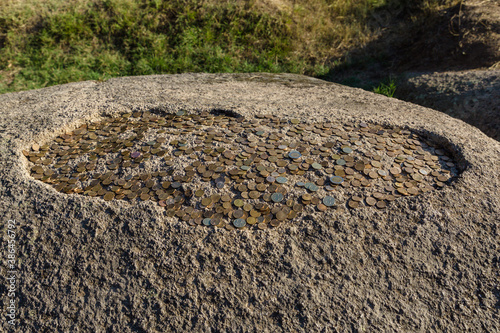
(48, 42)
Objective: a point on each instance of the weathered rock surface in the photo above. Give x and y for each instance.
(426, 263)
(472, 96)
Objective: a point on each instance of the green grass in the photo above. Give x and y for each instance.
(49, 42)
(386, 88)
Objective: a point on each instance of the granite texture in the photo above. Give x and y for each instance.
(428, 263)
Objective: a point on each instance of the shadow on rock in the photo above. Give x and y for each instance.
(471, 96)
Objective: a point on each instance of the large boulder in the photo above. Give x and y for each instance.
(424, 263)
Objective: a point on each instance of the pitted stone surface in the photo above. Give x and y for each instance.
(423, 263)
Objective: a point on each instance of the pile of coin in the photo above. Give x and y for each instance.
(217, 170)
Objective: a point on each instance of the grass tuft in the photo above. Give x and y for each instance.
(387, 89)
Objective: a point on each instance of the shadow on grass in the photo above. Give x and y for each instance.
(433, 42)
(446, 41)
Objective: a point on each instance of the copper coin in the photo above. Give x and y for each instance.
(353, 204)
(238, 213)
(261, 187)
(360, 166)
(442, 178)
(412, 191)
(395, 171)
(402, 190)
(322, 207)
(306, 197)
(254, 213)
(370, 201)
(254, 194)
(281, 215)
(206, 202)
(247, 207)
(262, 226)
(109, 196)
(275, 223)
